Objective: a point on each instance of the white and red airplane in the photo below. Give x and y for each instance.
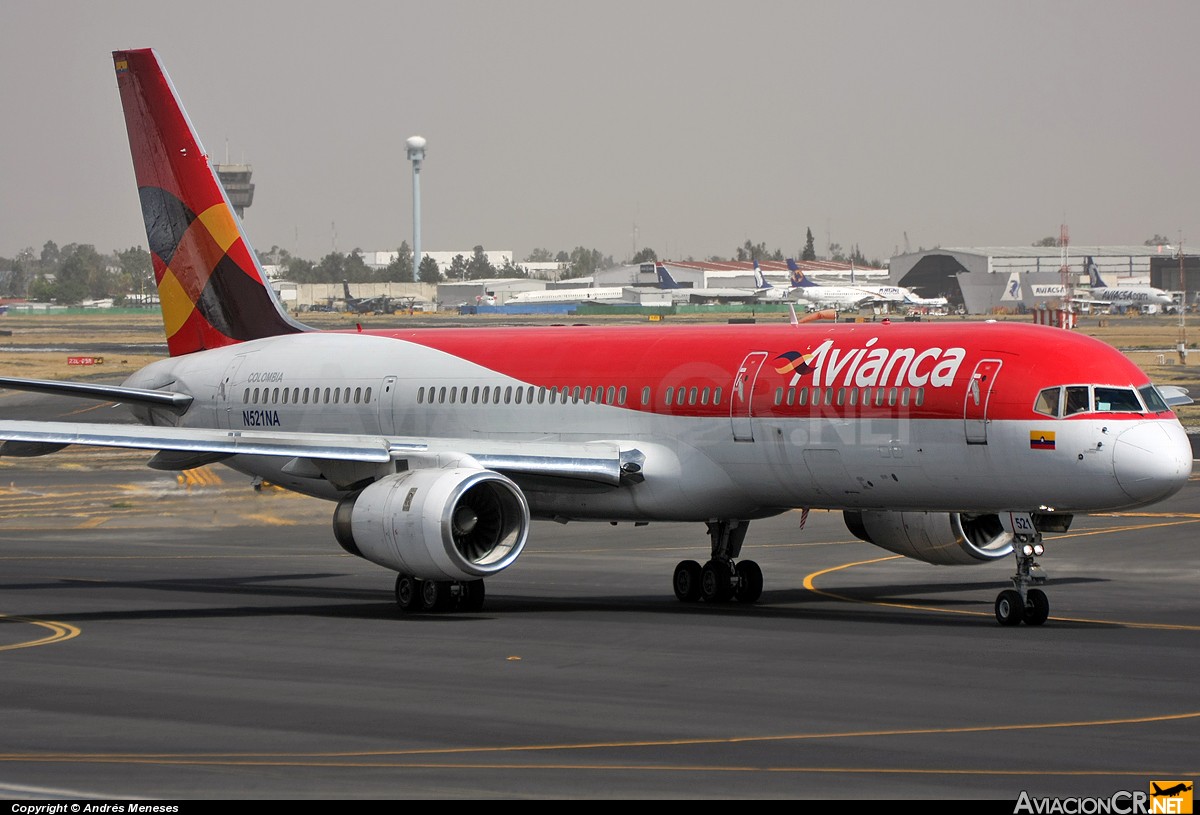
(951, 444)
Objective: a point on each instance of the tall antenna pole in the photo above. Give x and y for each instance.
(1182, 349)
(1064, 239)
(416, 154)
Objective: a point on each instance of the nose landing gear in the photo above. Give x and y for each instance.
(1022, 603)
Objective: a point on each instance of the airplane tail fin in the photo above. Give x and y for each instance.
(1094, 274)
(798, 278)
(211, 288)
(760, 281)
(664, 277)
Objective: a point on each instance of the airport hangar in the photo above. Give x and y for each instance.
(980, 279)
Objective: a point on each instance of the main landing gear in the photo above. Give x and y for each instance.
(720, 579)
(1022, 603)
(414, 594)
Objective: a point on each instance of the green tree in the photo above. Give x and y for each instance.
(479, 267)
(400, 270)
(584, 262)
(810, 251)
(751, 251)
(1157, 240)
(540, 255)
(82, 273)
(299, 270)
(137, 270)
(336, 267)
(51, 257)
(458, 268)
(1049, 240)
(430, 273)
(644, 256)
(511, 270)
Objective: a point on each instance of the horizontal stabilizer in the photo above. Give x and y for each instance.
(167, 400)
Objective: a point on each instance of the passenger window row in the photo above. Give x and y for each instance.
(853, 397)
(520, 394)
(306, 396)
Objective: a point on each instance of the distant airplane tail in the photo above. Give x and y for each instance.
(760, 281)
(798, 278)
(1094, 274)
(211, 288)
(664, 277)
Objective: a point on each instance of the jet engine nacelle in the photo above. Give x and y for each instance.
(944, 539)
(436, 524)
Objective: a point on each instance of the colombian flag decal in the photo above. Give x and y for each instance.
(1041, 439)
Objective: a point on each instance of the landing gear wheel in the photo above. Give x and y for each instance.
(716, 582)
(435, 595)
(1037, 607)
(1009, 608)
(687, 581)
(750, 582)
(408, 592)
(472, 596)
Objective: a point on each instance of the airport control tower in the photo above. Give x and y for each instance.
(235, 178)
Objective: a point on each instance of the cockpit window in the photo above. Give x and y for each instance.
(1154, 399)
(1073, 399)
(1077, 400)
(1117, 400)
(1047, 401)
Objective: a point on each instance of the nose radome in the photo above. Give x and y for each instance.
(1152, 460)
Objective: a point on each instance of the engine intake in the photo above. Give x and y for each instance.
(451, 524)
(944, 539)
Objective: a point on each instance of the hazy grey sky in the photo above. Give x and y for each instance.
(698, 124)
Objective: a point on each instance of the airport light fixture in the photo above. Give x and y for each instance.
(416, 154)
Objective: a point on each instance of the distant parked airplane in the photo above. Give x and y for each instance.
(720, 295)
(366, 305)
(833, 296)
(1125, 295)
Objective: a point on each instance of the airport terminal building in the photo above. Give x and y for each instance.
(1016, 279)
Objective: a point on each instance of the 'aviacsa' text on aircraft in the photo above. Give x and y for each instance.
(1135, 296)
(957, 444)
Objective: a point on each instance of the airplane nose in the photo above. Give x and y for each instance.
(1152, 460)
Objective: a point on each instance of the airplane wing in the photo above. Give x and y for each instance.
(184, 447)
